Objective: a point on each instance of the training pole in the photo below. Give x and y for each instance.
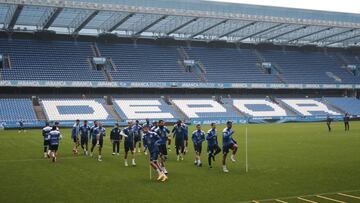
(246, 151)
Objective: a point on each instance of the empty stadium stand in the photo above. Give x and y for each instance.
(69, 61)
(309, 67)
(151, 108)
(204, 108)
(16, 109)
(309, 107)
(146, 63)
(72, 109)
(48, 60)
(349, 105)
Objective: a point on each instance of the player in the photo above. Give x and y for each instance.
(138, 135)
(198, 137)
(163, 132)
(186, 136)
(129, 143)
(45, 133)
(346, 121)
(95, 125)
(98, 135)
(149, 125)
(57, 125)
(115, 138)
(228, 143)
(213, 146)
(75, 136)
(21, 126)
(84, 137)
(55, 137)
(154, 127)
(153, 142)
(328, 122)
(179, 135)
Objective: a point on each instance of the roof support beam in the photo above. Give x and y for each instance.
(15, 17)
(342, 40)
(122, 21)
(237, 29)
(150, 25)
(259, 32)
(207, 29)
(84, 22)
(182, 26)
(288, 32)
(309, 34)
(50, 19)
(333, 35)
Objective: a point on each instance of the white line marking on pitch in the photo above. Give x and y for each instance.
(280, 201)
(330, 199)
(346, 195)
(306, 200)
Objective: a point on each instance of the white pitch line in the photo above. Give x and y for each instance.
(330, 199)
(346, 195)
(278, 200)
(306, 200)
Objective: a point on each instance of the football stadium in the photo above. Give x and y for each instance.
(178, 101)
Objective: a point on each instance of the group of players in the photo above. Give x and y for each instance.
(155, 137)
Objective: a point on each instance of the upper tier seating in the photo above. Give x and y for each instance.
(48, 60)
(146, 63)
(308, 67)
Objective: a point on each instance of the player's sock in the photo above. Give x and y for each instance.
(133, 162)
(232, 158)
(225, 169)
(199, 163)
(99, 158)
(178, 158)
(126, 163)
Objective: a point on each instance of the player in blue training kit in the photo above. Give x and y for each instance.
(98, 135)
(186, 136)
(148, 125)
(129, 143)
(163, 132)
(198, 137)
(45, 133)
(228, 143)
(153, 142)
(21, 126)
(213, 145)
(55, 137)
(138, 135)
(84, 136)
(75, 132)
(92, 128)
(179, 132)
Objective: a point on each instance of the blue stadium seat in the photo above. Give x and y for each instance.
(17, 109)
(350, 105)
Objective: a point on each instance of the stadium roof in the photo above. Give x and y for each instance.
(183, 19)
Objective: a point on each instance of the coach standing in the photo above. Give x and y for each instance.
(115, 138)
(346, 121)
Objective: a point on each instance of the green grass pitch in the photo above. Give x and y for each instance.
(285, 160)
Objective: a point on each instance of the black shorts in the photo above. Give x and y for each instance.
(198, 148)
(101, 142)
(46, 142)
(75, 139)
(128, 146)
(213, 148)
(163, 149)
(137, 138)
(179, 143)
(226, 148)
(84, 140)
(54, 147)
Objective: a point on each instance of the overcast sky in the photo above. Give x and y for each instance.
(347, 6)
